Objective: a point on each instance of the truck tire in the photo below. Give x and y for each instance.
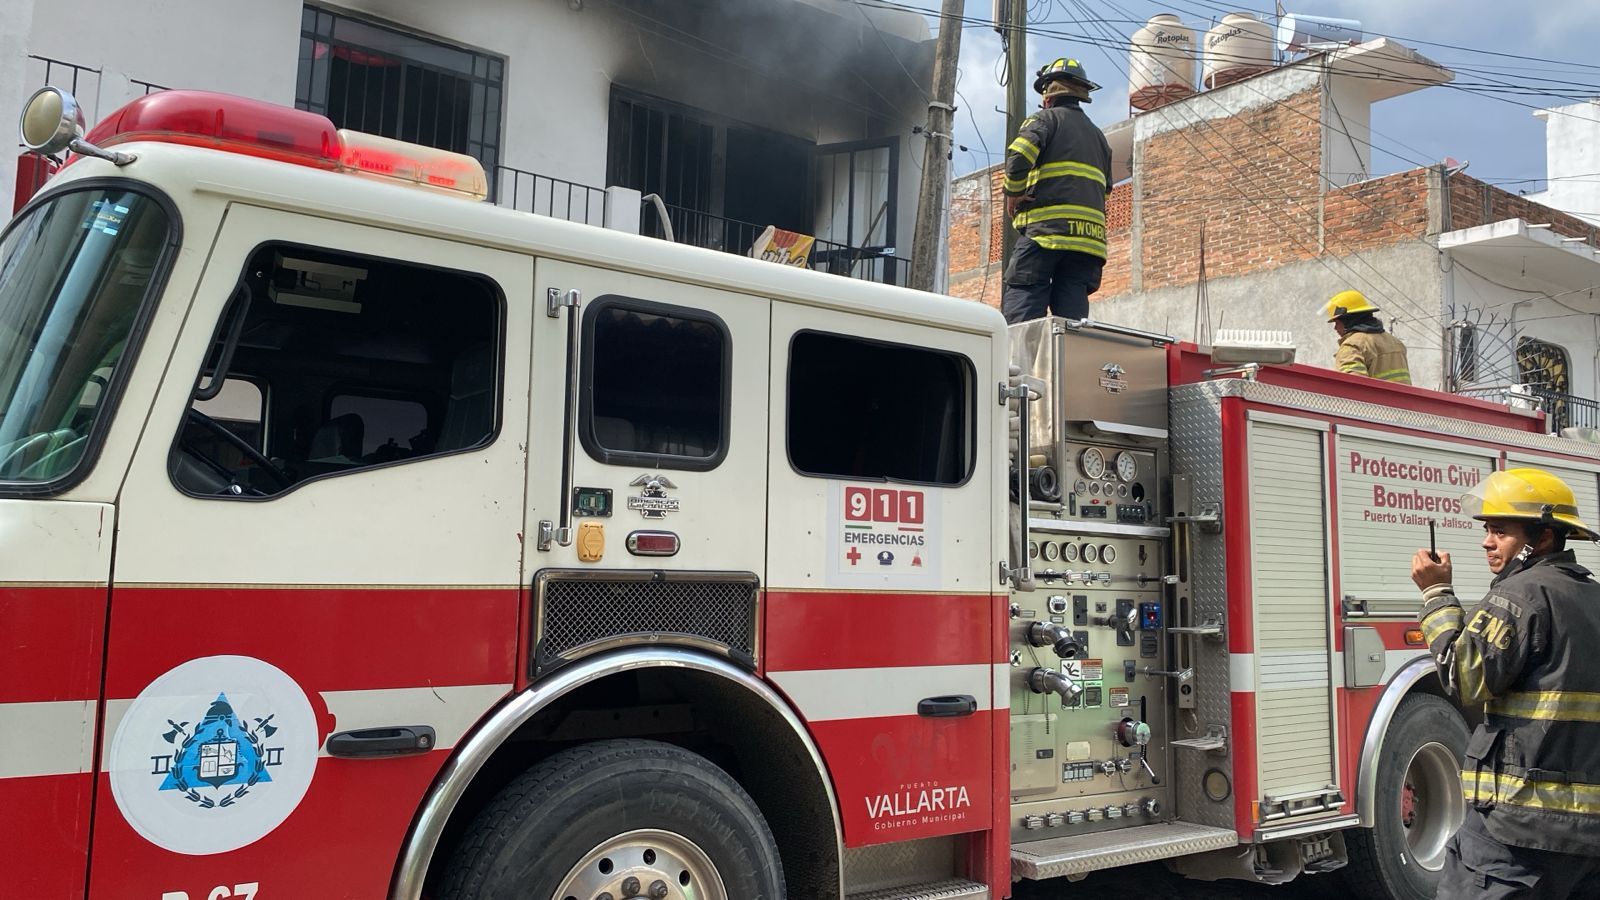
(619, 819)
(1417, 805)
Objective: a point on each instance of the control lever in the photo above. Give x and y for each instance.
(1127, 622)
(1183, 676)
(1057, 637)
(1049, 681)
(1144, 760)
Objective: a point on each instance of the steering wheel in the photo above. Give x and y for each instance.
(16, 455)
(238, 443)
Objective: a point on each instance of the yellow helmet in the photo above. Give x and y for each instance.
(1532, 495)
(1348, 303)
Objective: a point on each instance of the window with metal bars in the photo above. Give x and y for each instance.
(1546, 368)
(380, 80)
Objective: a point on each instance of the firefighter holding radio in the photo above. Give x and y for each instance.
(1528, 652)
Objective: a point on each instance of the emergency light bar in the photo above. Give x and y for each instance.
(268, 131)
(224, 122)
(381, 157)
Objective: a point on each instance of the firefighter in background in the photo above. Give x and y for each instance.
(1057, 175)
(1364, 347)
(1529, 652)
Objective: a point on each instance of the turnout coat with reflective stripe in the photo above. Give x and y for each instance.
(1381, 356)
(1060, 164)
(1531, 653)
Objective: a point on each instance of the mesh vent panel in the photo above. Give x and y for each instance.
(579, 612)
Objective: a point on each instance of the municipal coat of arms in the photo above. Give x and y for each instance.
(217, 762)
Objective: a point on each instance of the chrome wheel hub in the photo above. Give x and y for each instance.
(647, 864)
(1431, 803)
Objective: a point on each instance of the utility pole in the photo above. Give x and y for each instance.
(1016, 35)
(937, 141)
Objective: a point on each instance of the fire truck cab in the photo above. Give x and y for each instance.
(363, 539)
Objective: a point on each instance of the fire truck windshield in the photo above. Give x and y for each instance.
(75, 272)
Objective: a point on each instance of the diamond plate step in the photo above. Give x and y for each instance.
(1081, 853)
(951, 889)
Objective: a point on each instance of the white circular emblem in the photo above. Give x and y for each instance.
(213, 755)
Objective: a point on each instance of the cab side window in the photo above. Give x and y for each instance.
(327, 363)
(655, 383)
(865, 409)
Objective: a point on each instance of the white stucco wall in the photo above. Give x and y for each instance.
(1567, 316)
(1347, 131)
(1291, 298)
(1572, 157)
(561, 64)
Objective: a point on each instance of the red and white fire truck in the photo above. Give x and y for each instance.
(359, 539)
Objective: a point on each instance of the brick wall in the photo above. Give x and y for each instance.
(977, 227)
(1474, 203)
(1119, 242)
(1257, 201)
(1376, 213)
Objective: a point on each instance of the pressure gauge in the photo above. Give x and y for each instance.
(1069, 552)
(1091, 553)
(1127, 466)
(1108, 553)
(1050, 550)
(1033, 549)
(1093, 463)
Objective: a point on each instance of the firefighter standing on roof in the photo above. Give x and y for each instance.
(1528, 652)
(1364, 347)
(1057, 177)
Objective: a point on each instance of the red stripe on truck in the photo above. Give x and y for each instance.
(51, 643)
(325, 638)
(854, 630)
(45, 824)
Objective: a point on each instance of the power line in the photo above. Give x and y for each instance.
(1477, 51)
(1316, 169)
(1492, 88)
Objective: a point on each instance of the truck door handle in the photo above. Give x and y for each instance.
(369, 743)
(949, 706)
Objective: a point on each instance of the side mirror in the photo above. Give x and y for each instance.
(51, 121)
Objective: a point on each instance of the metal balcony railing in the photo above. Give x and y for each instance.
(1562, 410)
(702, 229)
(1566, 410)
(531, 192)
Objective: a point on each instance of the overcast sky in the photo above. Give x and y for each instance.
(1502, 140)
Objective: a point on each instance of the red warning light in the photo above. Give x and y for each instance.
(224, 122)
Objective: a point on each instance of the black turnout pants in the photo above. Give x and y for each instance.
(1042, 282)
(1478, 867)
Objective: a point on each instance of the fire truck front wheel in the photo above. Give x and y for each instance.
(618, 819)
(1418, 804)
